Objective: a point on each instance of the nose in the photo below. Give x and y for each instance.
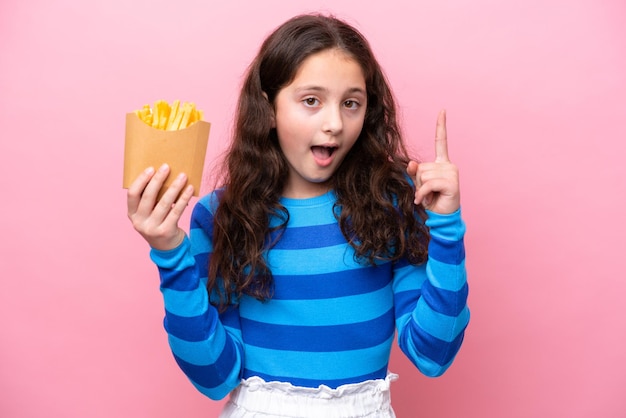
(333, 120)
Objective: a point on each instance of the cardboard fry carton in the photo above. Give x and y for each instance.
(183, 150)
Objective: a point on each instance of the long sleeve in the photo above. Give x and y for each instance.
(431, 300)
(331, 318)
(206, 345)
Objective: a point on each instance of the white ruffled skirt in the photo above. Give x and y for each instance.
(257, 398)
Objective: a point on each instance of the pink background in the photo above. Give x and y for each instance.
(535, 93)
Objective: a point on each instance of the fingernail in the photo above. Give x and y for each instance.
(149, 170)
(164, 167)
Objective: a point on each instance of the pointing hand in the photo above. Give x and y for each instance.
(437, 183)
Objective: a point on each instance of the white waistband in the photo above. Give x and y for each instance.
(255, 397)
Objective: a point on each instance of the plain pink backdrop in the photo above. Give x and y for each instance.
(535, 93)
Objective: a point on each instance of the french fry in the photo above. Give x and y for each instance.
(145, 114)
(155, 116)
(178, 118)
(171, 118)
(192, 116)
(165, 114)
(173, 114)
(187, 109)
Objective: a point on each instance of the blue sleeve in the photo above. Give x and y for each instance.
(431, 299)
(206, 345)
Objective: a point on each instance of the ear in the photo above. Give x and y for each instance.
(271, 107)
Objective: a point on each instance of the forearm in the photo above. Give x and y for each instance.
(431, 329)
(203, 348)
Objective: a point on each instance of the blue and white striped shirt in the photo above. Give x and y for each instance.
(331, 320)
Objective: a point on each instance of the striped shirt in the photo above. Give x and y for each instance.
(331, 320)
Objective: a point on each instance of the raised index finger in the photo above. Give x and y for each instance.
(441, 139)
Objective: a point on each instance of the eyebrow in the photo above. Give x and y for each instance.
(351, 90)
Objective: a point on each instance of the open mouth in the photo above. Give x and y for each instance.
(323, 152)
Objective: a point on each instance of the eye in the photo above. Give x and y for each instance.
(351, 104)
(310, 101)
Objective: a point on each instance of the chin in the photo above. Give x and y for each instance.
(321, 181)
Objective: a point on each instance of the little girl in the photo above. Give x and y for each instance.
(323, 242)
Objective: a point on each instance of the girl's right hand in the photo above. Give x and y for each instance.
(157, 222)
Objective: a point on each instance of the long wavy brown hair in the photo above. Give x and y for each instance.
(377, 215)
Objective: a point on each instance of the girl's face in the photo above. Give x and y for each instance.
(318, 118)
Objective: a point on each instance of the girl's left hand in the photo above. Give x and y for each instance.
(437, 183)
